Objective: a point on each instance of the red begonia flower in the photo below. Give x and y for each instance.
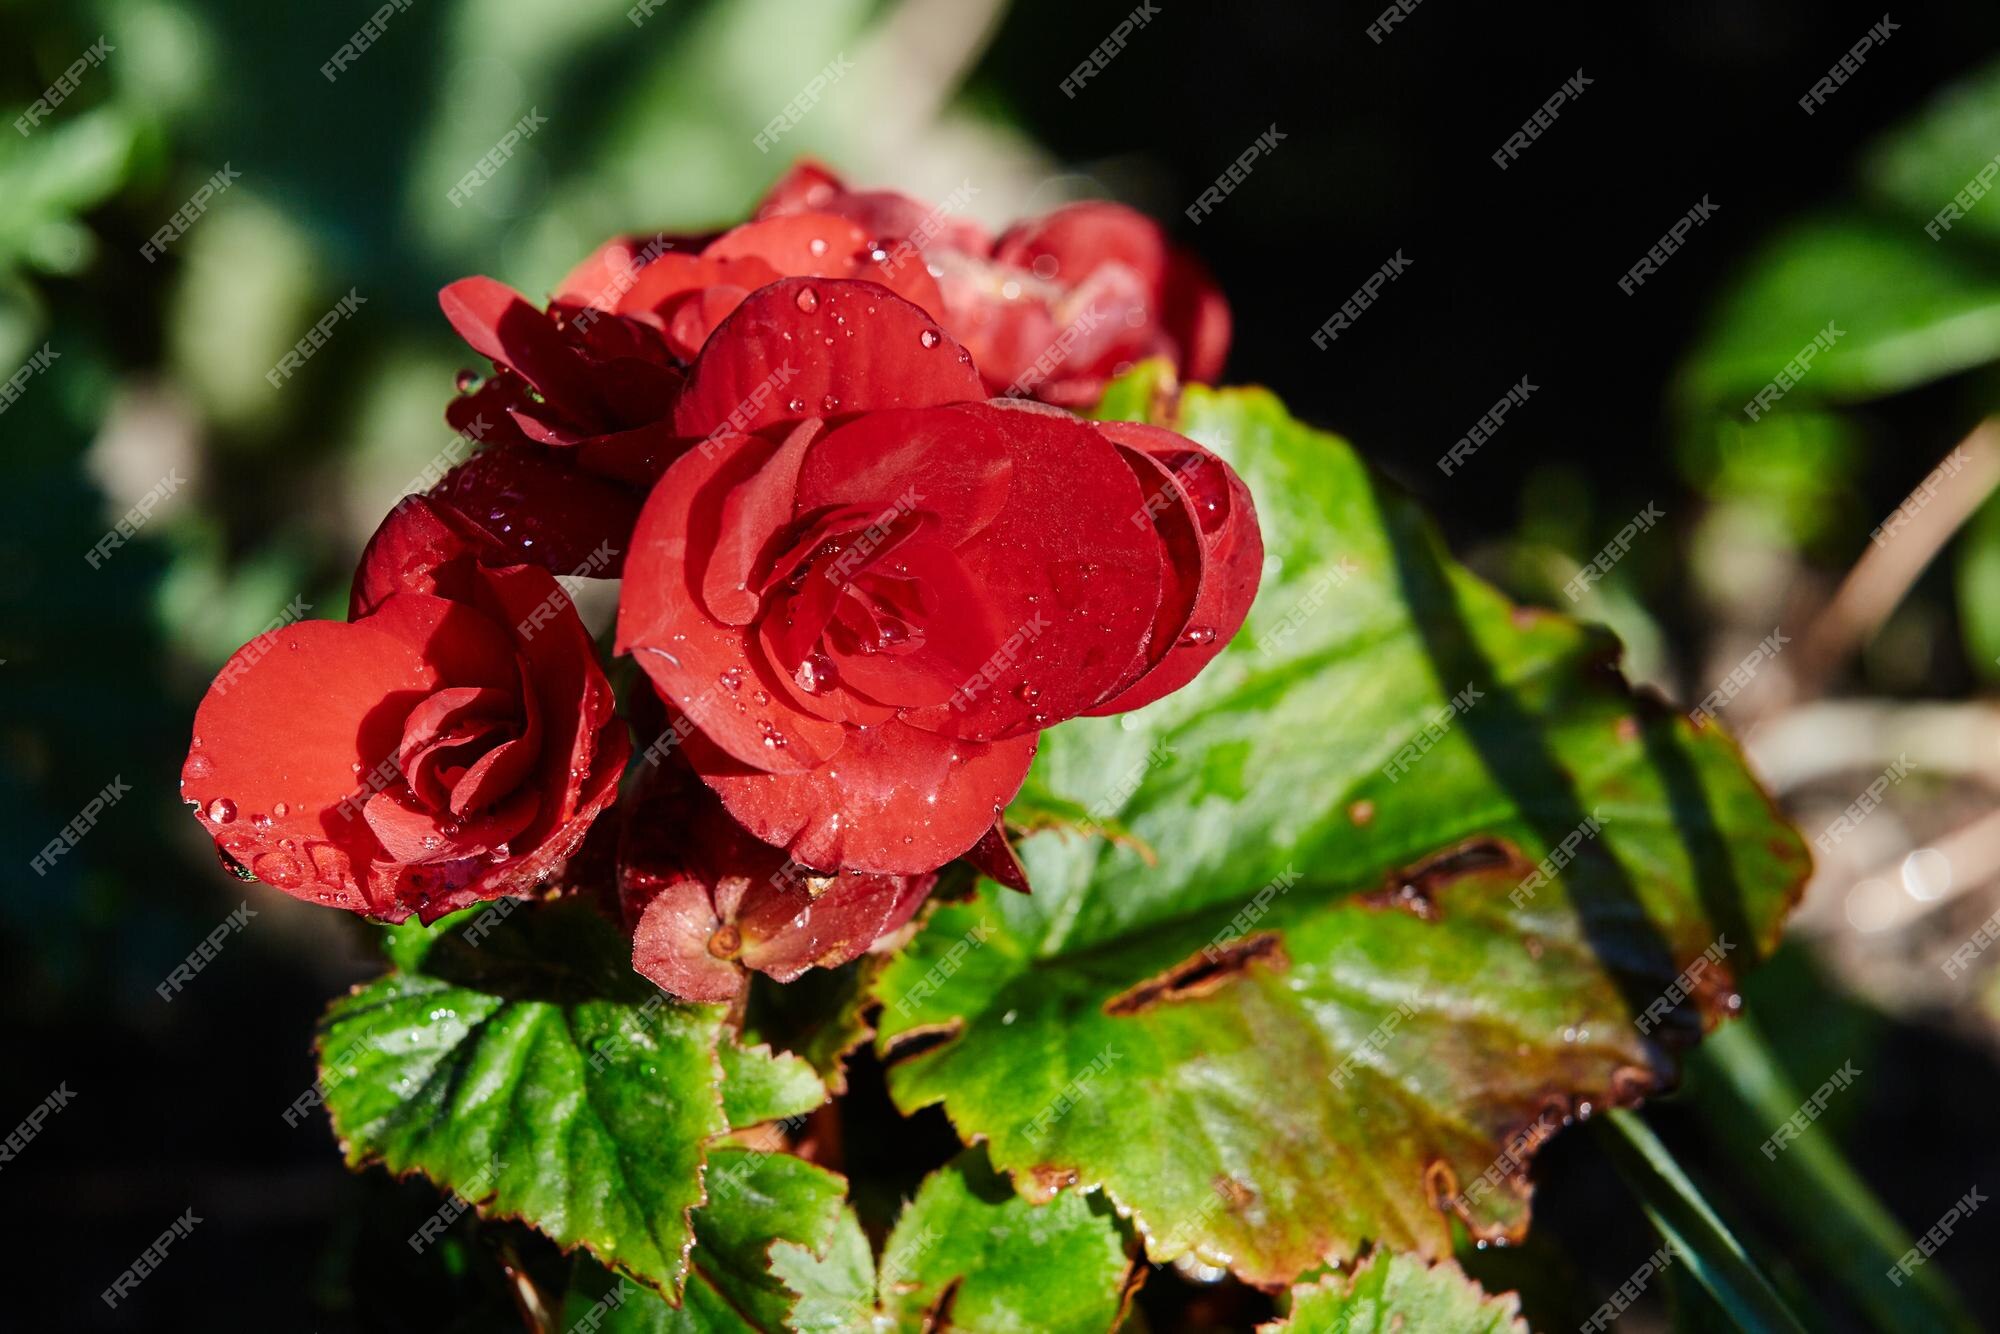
(706, 902)
(1059, 304)
(452, 742)
(868, 591)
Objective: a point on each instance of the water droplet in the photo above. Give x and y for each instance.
(930, 338)
(280, 870)
(280, 809)
(818, 246)
(796, 405)
(815, 673)
(830, 403)
(808, 300)
(1197, 635)
(732, 679)
(199, 766)
(467, 381)
(760, 697)
(1027, 693)
(261, 820)
(222, 810)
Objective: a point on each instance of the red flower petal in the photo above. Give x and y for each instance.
(806, 184)
(994, 857)
(809, 245)
(706, 900)
(755, 515)
(1071, 569)
(292, 727)
(500, 325)
(895, 800)
(955, 469)
(708, 670)
(418, 536)
(1182, 560)
(544, 509)
(1233, 558)
(1083, 237)
(815, 347)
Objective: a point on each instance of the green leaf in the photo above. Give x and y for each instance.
(1392, 1013)
(517, 1060)
(1921, 164)
(968, 1253)
(757, 1201)
(1391, 1293)
(761, 1085)
(1906, 309)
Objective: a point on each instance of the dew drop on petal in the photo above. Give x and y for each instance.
(818, 246)
(808, 300)
(930, 338)
(222, 810)
(1197, 635)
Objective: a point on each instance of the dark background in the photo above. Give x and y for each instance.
(1387, 149)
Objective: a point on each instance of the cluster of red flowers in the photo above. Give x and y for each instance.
(866, 556)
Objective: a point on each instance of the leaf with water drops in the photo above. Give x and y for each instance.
(514, 1058)
(1391, 1294)
(1410, 869)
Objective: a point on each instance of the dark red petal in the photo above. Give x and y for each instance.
(500, 325)
(895, 800)
(507, 765)
(294, 725)
(434, 891)
(816, 347)
(1070, 567)
(708, 670)
(994, 857)
(636, 458)
(569, 688)
(544, 509)
(418, 536)
(1233, 559)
